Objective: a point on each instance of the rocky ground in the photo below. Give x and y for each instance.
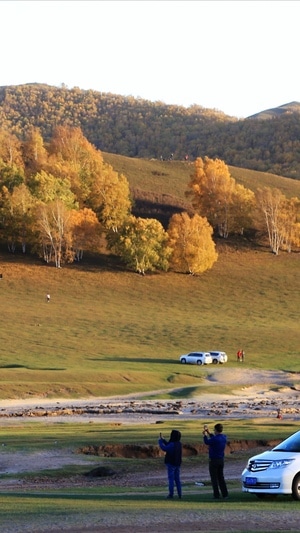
(257, 394)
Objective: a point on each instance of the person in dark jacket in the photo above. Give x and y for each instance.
(173, 459)
(217, 444)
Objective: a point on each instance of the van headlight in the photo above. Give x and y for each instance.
(281, 463)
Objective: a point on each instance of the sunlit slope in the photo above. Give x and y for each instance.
(113, 332)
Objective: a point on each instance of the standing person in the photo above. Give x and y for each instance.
(217, 443)
(48, 298)
(242, 356)
(173, 459)
(238, 355)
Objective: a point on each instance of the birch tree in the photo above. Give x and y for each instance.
(142, 244)
(290, 217)
(10, 149)
(110, 198)
(215, 195)
(35, 155)
(55, 230)
(17, 216)
(95, 183)
(193, 249)
(281, 218)
(86, 232)
(270, 202)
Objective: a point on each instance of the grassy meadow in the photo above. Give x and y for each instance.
(97, 509)
(109, 332)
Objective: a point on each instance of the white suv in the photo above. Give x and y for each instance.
(196, 358)
(276, 471)
(219, 357)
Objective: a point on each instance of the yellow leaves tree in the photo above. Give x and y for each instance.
(72, 156)
(95, 183)
(290, 222)
(47, 188)
(110, 198)
(281, 218)
(17, 216)
(10, 149)
(142, 244)
(35, 155)
(86, 231)
(241, 209)
(193, 249)
(216, 196)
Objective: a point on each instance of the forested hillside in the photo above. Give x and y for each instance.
(142, 129)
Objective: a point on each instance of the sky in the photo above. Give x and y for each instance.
(240, 57)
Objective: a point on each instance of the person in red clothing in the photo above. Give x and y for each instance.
(216, 443)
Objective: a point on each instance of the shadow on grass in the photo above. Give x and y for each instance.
(31, 367)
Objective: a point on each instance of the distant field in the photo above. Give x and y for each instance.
(112, 332)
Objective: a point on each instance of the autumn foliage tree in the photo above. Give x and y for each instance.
(190, 239)
(215, 195)
(86, 231)
(34, 153)
(10, 149)
(94, 182)
(142, 244)
(281, 218)
(17, 215)
(110, 198)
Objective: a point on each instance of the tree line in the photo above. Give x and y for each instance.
(139, 128)
(60, 199)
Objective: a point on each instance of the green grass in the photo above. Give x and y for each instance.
(99, 506)
(113, 332)
(37, 435)
(138, 507)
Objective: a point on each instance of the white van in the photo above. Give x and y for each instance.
(276, 471)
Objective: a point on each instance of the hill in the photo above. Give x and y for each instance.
(292, 107)
(158, 187)
(142, 129)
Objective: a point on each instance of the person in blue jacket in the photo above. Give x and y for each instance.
(217, 444)
(173, 459)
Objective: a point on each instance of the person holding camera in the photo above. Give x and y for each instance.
(216, 443)
(173, 459)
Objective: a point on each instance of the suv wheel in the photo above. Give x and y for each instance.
(183, 361)
(199, 362)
